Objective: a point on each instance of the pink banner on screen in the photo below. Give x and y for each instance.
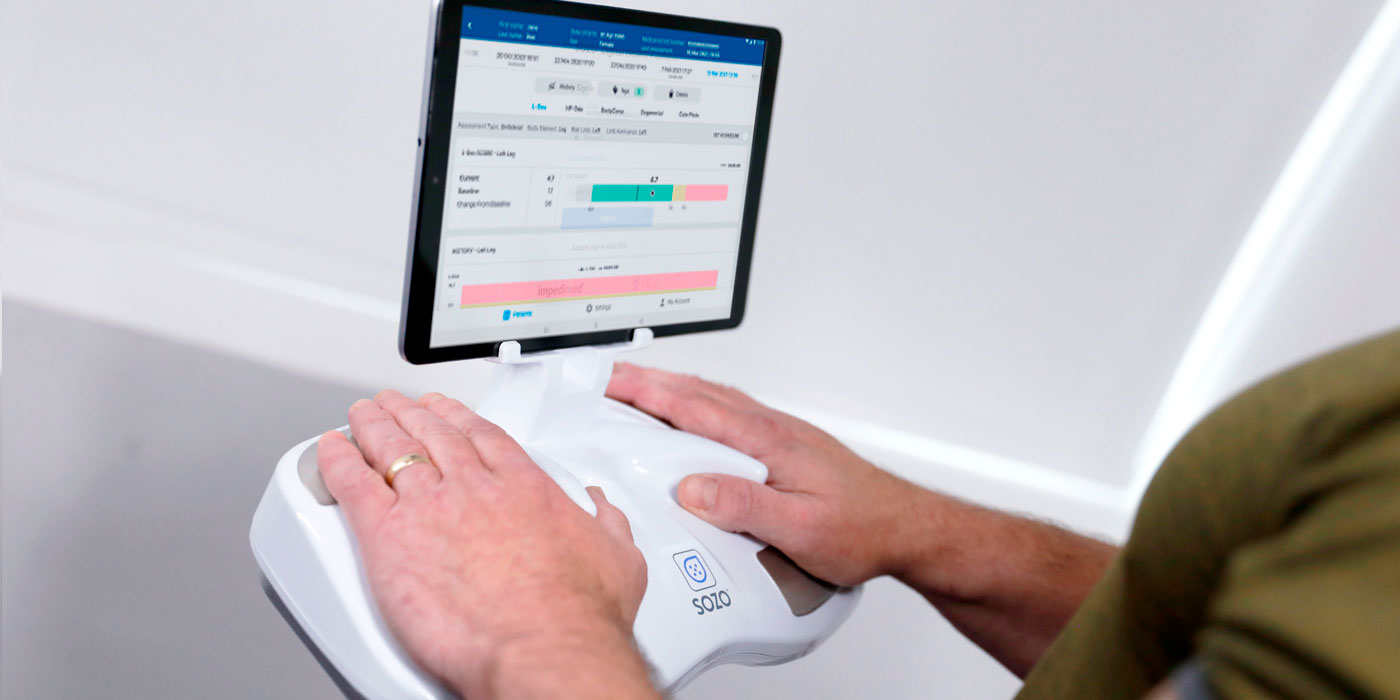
(587, 288)
(706, 193)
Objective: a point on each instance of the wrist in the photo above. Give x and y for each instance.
(933, 533)
(580, 659)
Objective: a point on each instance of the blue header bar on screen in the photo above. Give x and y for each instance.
(568, 32)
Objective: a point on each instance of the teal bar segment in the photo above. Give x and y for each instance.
(654, 193)
(614, 193)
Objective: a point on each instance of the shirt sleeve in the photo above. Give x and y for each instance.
(1313, 609)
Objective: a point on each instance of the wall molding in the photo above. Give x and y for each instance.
(1346, 117)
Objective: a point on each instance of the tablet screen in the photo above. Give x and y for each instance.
(598, 178)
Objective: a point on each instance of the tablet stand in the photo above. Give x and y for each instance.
(552, 395)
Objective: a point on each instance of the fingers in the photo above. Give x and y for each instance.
(709, 410)
(610, 516)
(440, 440)
(739, 505)
(360, 491)
(614, 522)
(382, 440)
(498, 451)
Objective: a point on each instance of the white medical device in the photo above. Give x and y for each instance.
(588, 180)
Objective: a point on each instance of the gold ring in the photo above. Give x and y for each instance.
(403, 463)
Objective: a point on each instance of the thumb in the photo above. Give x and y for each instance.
(739, 505)
(613, 520)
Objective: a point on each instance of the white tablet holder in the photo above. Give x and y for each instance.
(551, 395)
(712, 597)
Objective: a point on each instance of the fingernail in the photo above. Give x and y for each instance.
(698, 492)
(360, 404)
(384, 394)
(430, 398)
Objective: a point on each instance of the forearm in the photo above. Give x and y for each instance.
(1008, 583)
(599, 664)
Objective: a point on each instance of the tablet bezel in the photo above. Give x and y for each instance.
(420, 276)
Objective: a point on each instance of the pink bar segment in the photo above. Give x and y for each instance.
(706, 193)
(587, 288)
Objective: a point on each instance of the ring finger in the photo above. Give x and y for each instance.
(383, 443)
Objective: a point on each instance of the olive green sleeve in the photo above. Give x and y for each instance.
(1265, 553)
(1313, 610)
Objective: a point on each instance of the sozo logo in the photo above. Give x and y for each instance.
(711, 602)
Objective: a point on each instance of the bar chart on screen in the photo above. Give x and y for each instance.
(555, 198)
(587, 288)
(653, 193)
(612, 199)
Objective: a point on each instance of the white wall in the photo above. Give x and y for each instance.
(1032, 208)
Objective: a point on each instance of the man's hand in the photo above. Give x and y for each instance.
(1008, 583)
(835, 514)
(490, 577)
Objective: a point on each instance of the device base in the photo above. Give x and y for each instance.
(712, 597)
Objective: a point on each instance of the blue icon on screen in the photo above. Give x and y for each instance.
(505, 315)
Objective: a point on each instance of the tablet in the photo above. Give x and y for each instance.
(584, 171)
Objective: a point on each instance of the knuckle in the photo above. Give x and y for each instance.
(689, 384)
(363, 480)
(770, 429)
(475, 430)
(357, 485)
(476, 425)
(395, 448)
(807, 530)
(439, 432)
(401, 444)
(769, 423)
(733, 392)
(460, 418)
(493, 430)
(708, 413)
(664, 402)
(373, 421)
